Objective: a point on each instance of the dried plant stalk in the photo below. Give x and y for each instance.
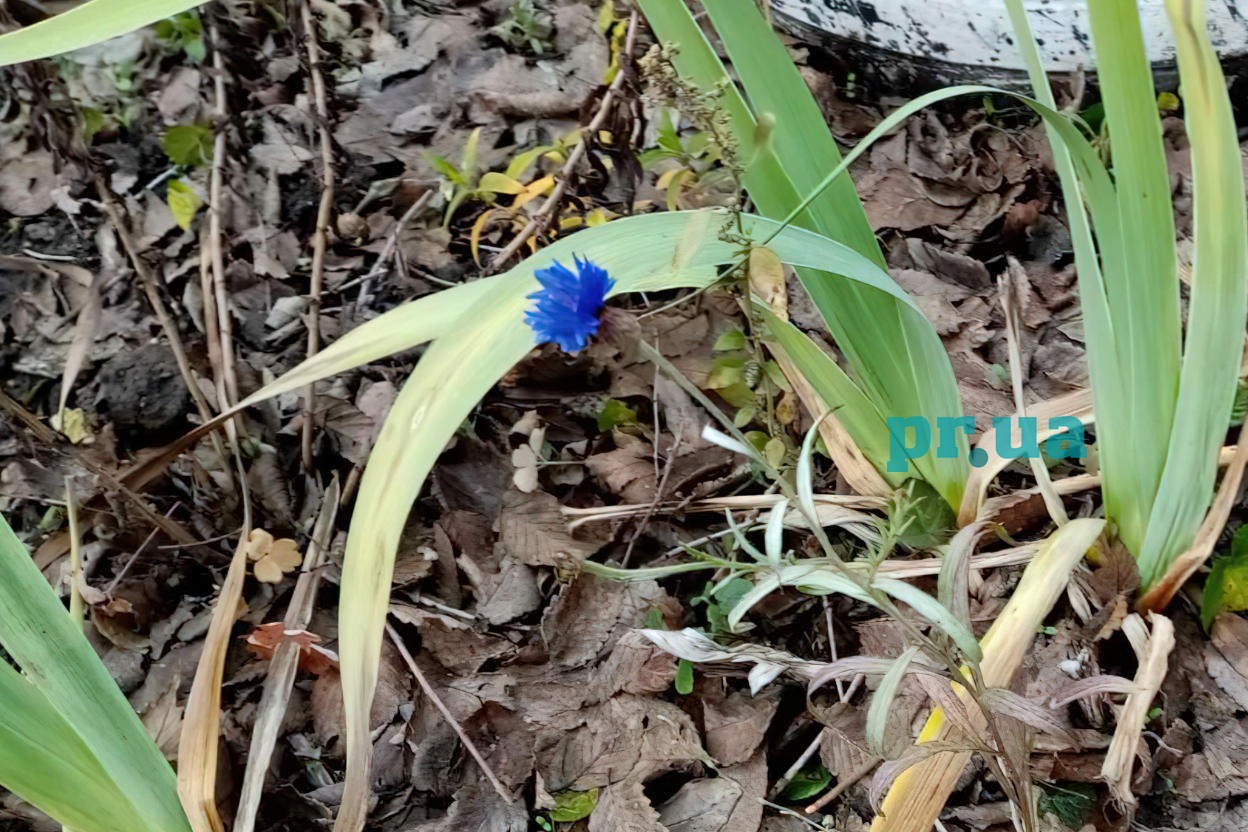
(1154, 652)
(915, 800)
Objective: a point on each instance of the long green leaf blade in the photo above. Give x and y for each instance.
(891, 351)
(1140, 271)
(62, 670)
(93, 22)
(1219, 298)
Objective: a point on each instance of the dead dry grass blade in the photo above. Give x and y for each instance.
(1010, 285)
(1077, 403)
(201, 722)
(1153, 650)
(918, 794)
(1182, 568)
(285, 662)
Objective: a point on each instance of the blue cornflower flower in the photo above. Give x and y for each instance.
(568, 304)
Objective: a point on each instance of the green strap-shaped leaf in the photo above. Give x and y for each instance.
(93, 22)
(108, 776)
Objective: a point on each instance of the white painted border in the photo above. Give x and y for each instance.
(978, 32)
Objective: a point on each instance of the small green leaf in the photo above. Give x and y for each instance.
(500, 183)
(1227, 587)
(1069, 802)
(615, 413)
(654, 619)
(721, 604)
(806, 784)
(882, 701)
(774, 451)
(684, 677)
(1240, 408)
(446, 169)
(573, 806)
(776, 376)
(737, 395)
(725, 372)
(744, 416)
(184, 203)
(758, 439)
(189, 144)
(733, 339)
(919, 517)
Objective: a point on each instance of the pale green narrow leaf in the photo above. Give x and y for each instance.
(882, 701)
(1219, 298)
(806, 475)
(935, 612)
(84, 715)
(821, 579)
(44, 761)
(764, 585)
(906, 372)
(798, 132)
(90, 23)
(1140, 272)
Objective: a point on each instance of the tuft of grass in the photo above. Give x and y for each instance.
(1163, 400)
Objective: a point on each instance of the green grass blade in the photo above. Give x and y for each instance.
(402, 328)
(85, 25)
(1219, 297)
(798, 133)
(891, 351)
(43, 760)
(93, 723)
(854, 410)
(1085, 185)
(1140, 271)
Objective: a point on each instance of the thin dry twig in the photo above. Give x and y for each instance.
(382, 266)
(658, 495)
(320, 238)
(227, 381)
(1011, 304)
(542, 219)
(77, 605)
(284, 664)
(469, 746)
(152, 291)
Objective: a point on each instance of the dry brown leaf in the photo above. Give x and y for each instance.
(731, 802)
(736, 727)
(265, 639)
(271, 558)
(592, 614)
(1226, 656)
(624, 807)
(625, 738)
(532, 529)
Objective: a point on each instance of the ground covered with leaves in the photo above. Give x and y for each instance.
(160, 198)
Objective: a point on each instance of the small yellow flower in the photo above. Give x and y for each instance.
(272, 558)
